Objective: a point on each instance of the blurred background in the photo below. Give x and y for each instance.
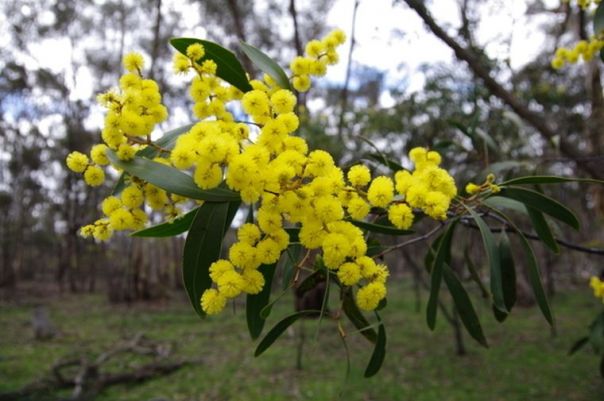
(83, 320)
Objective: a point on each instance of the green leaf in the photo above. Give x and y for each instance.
(464, 306)
(499, 167)
(166, 142)
(256, 302)
(279, 328)
(202, 248)
(379, 351)
(508, 271)
(499, 202)
(170, 179)
(596, 333)
(356, 317)
(487, 139)
(535, 280)
(228, 67)
(293, 255)
(580, 343)
(169, 228)
(293, 233)
(548, 179)
(436, 272)
(599, 19)
(474, 274)
(494, 258)
(310, 282)
(542, 229)
(533, 271)
(266, 64)
(382, 159)
(541, 203)
(379, 228)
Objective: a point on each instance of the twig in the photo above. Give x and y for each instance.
(412, 241)
(564, 243)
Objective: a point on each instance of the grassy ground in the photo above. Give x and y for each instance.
(523, 363)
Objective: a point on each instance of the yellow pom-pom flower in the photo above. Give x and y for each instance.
(401, 216)
(359, 175)
(195, 51)
(94, 176)
(133, 62)
(212, 301)
(381, 191)
(77, 162)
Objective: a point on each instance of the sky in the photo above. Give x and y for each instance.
(389, 38)
(394, 39)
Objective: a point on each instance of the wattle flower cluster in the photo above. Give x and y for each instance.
(270, 168)
(585, 4)
(598, 287)
(583, 50)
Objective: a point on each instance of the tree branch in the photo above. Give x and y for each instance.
(538, 122)
(564, 243)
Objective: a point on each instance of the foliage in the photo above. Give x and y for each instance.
(243, 150)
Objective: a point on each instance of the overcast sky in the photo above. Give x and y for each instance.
(394, 39)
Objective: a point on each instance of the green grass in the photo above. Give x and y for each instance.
(524, 361)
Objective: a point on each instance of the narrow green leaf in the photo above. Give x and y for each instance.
(498, 168)
(492, 251)
(356, 317)
(474, 274)
(169, 228)
(599, 19)
(542, 203)
(310, 282)
(596, 333)
(382, 159)
(170, 179)
(279, 328)
(499, 202)
(228, 67)
(293, 255)
(256, 302)
(488, 140)
(580, 343)
(202, 248)
(266, 64)
(533, 271)
(542, 229)
(464, 306)
(379, 228)
(508, 271)
(548, 179)
(293, 233)
(436, 272)
(166, 142)
(379, 351)
(374, 247)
